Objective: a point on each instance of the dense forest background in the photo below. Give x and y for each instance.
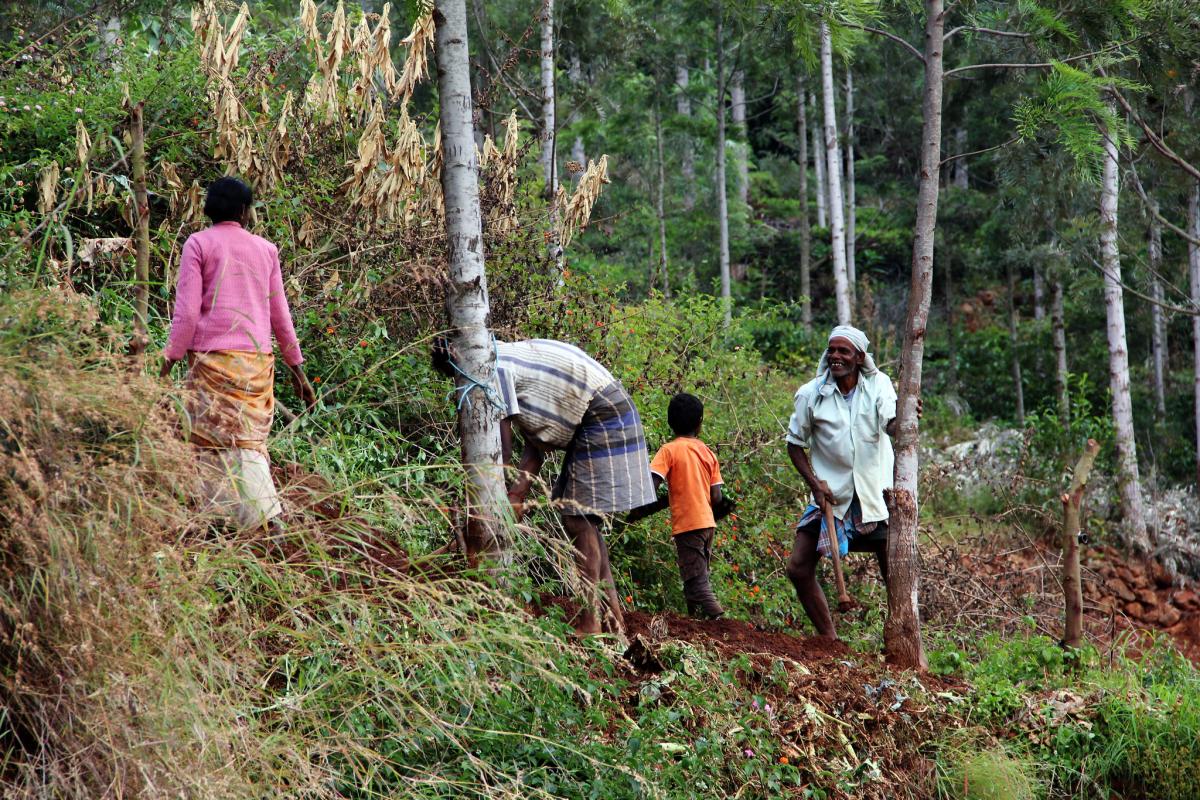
(145, 654)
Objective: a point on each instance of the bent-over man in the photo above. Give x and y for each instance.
(560, 398)
(839, 441)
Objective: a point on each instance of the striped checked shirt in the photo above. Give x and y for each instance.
(547, 386)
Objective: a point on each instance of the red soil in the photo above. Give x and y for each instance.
(732, 637)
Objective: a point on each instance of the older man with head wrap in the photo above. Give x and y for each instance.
(836, 440)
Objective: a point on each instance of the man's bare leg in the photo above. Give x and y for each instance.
(589, 561)
(802, 571)
(610, 587)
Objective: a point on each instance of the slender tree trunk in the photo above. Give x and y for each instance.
(467, 294)
(951, 335)
(818, 148)
(1072, 584)
(1158, 320)
(833, 163)
(737, 108)
(902, 631)
(547, 68)
(683, 107)
(1118, 356)
(141, 237)
(961, 179)
(851, 200)
(484, 82)
(661, 205)
(722, 199)
(1058, 335)
(1194, 278)
(1039, 294)
(805, 229)
(578, 152)
(1013, 341)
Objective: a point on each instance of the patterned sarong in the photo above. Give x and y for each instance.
(606, 468)
(232, 399)
(231, 407)
(849, 528)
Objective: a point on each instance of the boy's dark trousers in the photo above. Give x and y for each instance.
(693, 550)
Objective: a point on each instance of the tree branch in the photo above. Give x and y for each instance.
(881, 32)
(1137, 184)
(1155, 140)
(1042, 65)
(948, 159)
(1194, 311)
(989, 31)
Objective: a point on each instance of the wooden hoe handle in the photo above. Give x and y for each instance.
(835, 555)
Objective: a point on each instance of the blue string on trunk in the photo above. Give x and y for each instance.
(472, 383)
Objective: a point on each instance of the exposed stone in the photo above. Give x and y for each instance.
(1185, 599)
(1120, 589)
(1168, 616)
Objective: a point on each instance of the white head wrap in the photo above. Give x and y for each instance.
(860, 342)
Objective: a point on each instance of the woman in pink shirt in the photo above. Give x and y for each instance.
(228, 303)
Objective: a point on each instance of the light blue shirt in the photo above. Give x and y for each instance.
(846, 441)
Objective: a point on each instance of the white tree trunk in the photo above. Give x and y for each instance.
(467, 294)
(1118, 355)
(961, 179)
(818, 149)
(1058, 336)
(547, 67)
(851, 200)
(660, 204)
(833, 163)
(578, 152)
(1039, 294)
(902, 630)
(805, 230)
(1158, 320)
(722, 199)
(1194, 278)
(1013, 341)
(737, 108)
(687, 162)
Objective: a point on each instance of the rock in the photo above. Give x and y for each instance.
(1119, 589)
(1168, 616)
(1135, 610)
(1147, 597)
(1162, 578)
(1185, 599)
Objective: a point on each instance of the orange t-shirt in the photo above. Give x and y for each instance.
(690, 470)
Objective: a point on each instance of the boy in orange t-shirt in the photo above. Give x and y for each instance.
(694, 486)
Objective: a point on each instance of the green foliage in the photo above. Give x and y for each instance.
(1071, 103)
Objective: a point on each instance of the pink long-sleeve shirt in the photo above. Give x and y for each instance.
(230, 296)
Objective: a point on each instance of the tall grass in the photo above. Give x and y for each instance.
(148, 653)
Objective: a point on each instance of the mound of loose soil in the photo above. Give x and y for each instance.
(732, 637)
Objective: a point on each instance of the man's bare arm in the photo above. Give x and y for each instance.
(530, 465)
(505, 442)
(820, 488)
